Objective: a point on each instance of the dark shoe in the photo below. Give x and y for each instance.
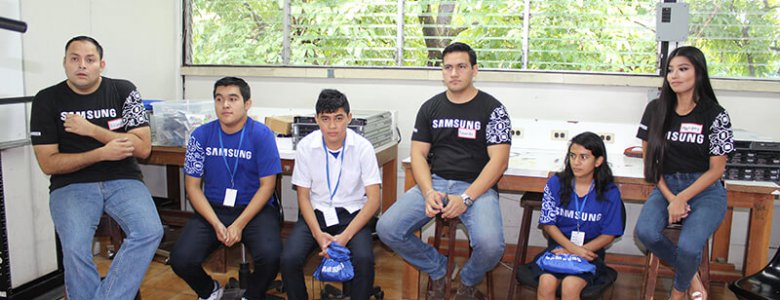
(466, 292)
(437, 289)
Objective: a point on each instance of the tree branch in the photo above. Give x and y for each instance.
(259, 24)
(709, 20)
(634, 21)
(438, 35)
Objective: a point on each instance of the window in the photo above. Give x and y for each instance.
(739, 37)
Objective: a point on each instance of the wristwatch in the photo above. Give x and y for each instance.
(467, 200)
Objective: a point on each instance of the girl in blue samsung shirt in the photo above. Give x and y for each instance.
(581, 214)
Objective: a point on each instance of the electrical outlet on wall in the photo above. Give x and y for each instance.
(559, 135)
(516, 133)
(607, 137)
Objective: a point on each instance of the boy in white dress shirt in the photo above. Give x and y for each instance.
(337, 179)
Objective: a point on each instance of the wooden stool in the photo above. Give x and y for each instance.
(451, 226)
(651, 265)
(530, 201)
(107, 227)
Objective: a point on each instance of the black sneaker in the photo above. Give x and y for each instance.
(437, 289)
(216, 294)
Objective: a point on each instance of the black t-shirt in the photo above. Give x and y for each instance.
(459, 134)
(116, 105)
(693, 138)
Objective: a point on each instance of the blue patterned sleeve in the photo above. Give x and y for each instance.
(550, 202)
(498, 128)
(195, 156)
(721, 135)
(133, 111)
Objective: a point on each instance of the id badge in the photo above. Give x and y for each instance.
(466, 133)
(331, 218)
(578, 238)
(230, 197)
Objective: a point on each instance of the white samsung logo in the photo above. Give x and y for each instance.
(228, 152)
(694, 138)
(457, 123)
(332, 269)
(91, 114)
(577, 215)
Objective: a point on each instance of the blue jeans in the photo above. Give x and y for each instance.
(707, 211)
(397, 227)
(76, 210)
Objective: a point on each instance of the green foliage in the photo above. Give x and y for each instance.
(237, 32)
(739, 37)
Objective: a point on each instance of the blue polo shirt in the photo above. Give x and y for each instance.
(597, 217)
(257, 157)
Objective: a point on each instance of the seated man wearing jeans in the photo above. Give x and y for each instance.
(236, 161)
(337, 179)
(466, 132)
(87, 132)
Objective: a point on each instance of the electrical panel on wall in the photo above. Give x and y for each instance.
(671, 22)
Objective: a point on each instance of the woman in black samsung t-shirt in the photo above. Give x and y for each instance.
(686, 136)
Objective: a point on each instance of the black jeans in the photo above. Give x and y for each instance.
(301, 243)
(198, 240)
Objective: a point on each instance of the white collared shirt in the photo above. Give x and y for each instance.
(359, 169)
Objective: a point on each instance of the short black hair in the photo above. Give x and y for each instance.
(84, 38)
(460, 47)
(331, 100)
(228, 81)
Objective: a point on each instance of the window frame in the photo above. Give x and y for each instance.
(433, 73)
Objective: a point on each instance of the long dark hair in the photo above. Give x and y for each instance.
(602, 175)
(665, 107)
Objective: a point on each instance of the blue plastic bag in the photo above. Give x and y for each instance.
(565, 264)
(336, 268)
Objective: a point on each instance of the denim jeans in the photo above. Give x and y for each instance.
(198, 240)
(397, 226)
(707, 211)
(76, 210)
(300, 244)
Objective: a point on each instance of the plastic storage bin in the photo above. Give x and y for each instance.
(173, 121)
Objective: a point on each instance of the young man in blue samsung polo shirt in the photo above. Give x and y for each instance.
(231, 166)
(337, 178)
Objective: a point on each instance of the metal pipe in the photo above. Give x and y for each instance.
(13, 25)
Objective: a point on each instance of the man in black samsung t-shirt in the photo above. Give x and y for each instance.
(463, 134)
(87, 132)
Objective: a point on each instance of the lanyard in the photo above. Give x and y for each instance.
(327, 168)
(580, 208)
(235, 166)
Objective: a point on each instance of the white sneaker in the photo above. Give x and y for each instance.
(216, 294)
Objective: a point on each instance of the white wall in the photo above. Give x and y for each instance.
(11, 76)
(140, 40)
